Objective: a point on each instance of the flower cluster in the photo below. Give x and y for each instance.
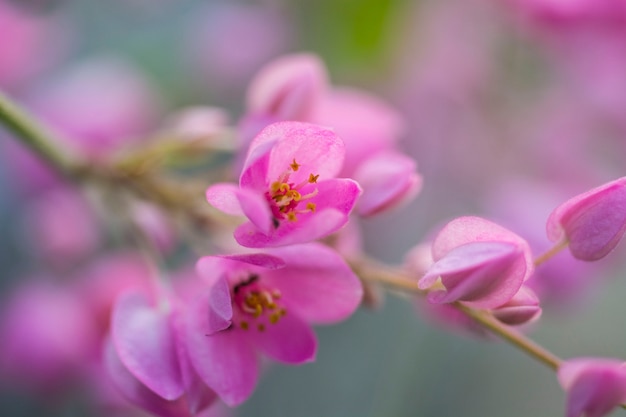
(252, 227)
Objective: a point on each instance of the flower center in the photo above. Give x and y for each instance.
(286, 198)
(256, 304)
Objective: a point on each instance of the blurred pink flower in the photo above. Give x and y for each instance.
(62, 226)
(47, 335)
(265, 302)
(287, 187)
(478, 262)
(594, 386)
(592, 223)
(98, 106)
(296, 87)
(28, 45)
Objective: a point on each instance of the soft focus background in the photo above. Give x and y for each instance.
(511, 107)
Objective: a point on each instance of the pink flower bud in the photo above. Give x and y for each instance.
(521, 309)
(594, 386)
(593, 222)
(477, 262)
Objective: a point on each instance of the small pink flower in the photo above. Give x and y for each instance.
(592, 223)
(264, 302)
(478, 262)
(594, 386)
(296, 87)
(287, 187)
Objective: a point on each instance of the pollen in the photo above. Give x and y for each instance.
(257, 305)
(285, 196)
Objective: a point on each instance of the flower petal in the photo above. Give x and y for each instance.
(291, 340)
(323, 223)
(144, 341)
(223, 196)
(255, 207)
(220, 306)
(136, 392)
(225, 361)
(316, 284)
(288, 88)
(388, 179)
(317, 149)
(593, 222)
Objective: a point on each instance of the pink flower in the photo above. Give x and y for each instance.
(287, 187)
(295, 87)
(477, 262)
(47, 335)
(147, 360)
(594, 386)
(592, 223)
(264, 302)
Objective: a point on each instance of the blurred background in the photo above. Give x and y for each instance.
(509, 108)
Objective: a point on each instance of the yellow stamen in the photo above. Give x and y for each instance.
(291, 216)
(294, 165)
(244, 325)
(313, 178)
(310, 206)
(274, 317)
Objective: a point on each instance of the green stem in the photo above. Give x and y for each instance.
(35, 136)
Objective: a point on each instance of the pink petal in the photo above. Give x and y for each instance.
(317, 149)
(223, 196)
(346, 110)
(290, 340)
(144, 341)
(288, 88)
(593, 222)
(220, 306)
(256, 208)
(388, 179)
(466, 258)
(337, 193)
(198, 395)
(321, 224)
(317, 284)
(479, 274)
(522, 308)
(254, 172)
(136, 392)
(225, 361)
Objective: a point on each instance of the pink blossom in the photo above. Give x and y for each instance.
(295, 87)
(147, 360)
(98, 106)
(592, 223)
(46, 334)
(477, 262)
(264, 303)
(29, 43)
(62, 226)
(594, 386)
(287, 187)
